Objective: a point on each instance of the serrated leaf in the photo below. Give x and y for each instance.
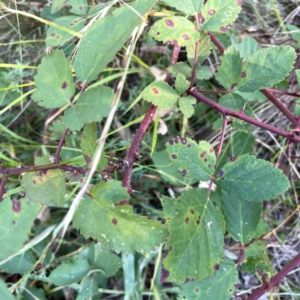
(16, 220)
(190, 7)
(220, 286)
(161, 94)
(196, 236)
(235, 102)
(45, 187)
(4, 291)
(241, 143)
(297, 110)
(181, 68)
(175, 30)
(93, 105)
(193, 160)
(54, 81)
(117, 225)
(115, 29)
(203, 72)
(186, 105)
(218, 15)
(56, 37)
(252, 179)
(247, 47)
(181, 84)
(241, 217)
(266, 67)
(204, 49)
(79, 7)
(71, 272)
(229, 72)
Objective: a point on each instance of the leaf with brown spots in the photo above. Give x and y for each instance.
(197, 160)
(116, 225)
(220, 286)
(175, 30)
(196, 236)
(79, 7)
(161, 94)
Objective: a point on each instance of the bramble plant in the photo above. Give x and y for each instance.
(187, 234)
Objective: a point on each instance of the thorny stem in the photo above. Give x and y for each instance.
(240, 115)
(59, 146)
(275, 280)
(133, 150)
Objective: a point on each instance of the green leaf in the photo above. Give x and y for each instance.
(56, 37)
(45, 187)
(161, 94)
(229, 72)
(4, 291)
(218, 15)
(295, 33)
(89, 290)
(181, 68)
(241, 143)
(297, 72)
(186, 105)
(181, 84)
(79, 7)
(203, 72)
(106, 261)
(266, 67)
(54, 81)
(235, 102)
(196, 236)
(247, 47)
(297, 110)
(71, 272)
(220, 286)
(117, 225)
(19, 264)
(193, 160)
(175, 30)
(93, 105)
(252, 179)
(190, 7)
(57, 5)
(115, 29)
(16, 220)
(241, 217)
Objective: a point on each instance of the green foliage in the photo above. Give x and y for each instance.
(188, 7)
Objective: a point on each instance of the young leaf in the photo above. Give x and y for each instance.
(252, 179)
(54, 81)
(241, 217)
(266, 67)
(79, 7)
(92, 106)
(45, 187)
(115, 29)
(68, 273)
(229, 72)
(117, 225)
(176, 30)
(181, 84)
(56, 37)
(196, 236)
(186, 105)
(187, 7)
(161, 94)
(220, 286)
(16, 220)
(218, 15)
(193, 160)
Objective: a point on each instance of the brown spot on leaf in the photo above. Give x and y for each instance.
(221, 173)
(123, 202)
(192, 211)
(201, 19)
(211, 150)
(176, 141)
(155, 90)
(52, 34)
(80, 7)
(244, 74)
(205, 159)
(211, 12)
(184, 172)
(187, 220)
(169, 23)
(232, 159)
(203, 154)
(64, 85)
(171, 142)
(16, 205)
(174, 42)
(114, 221)
(33, 181)
(223, 29)
(197, 290)
(189, 145)
(183, 140)
(158, 33)
(198, 222)
(58, 36)
(216, 267)
(14, 222)
(174, 156)
(185, 37)
(233, 86)
(208, 165)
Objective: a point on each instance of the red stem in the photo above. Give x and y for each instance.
(240, 115)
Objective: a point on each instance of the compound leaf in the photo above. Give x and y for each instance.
(176, 30)
(45, 187)
(193, 160)
(220, 286)
(56, 37)
(241, 217)
(190, 7)
(186, 105)
(252, 179)
(229, 72)
(266, 67)
(92, 106)
(196, 236)
(161, 94)
(107, 36)
(117, 225)
(16, 220)
(218, 15)
(54, 81)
